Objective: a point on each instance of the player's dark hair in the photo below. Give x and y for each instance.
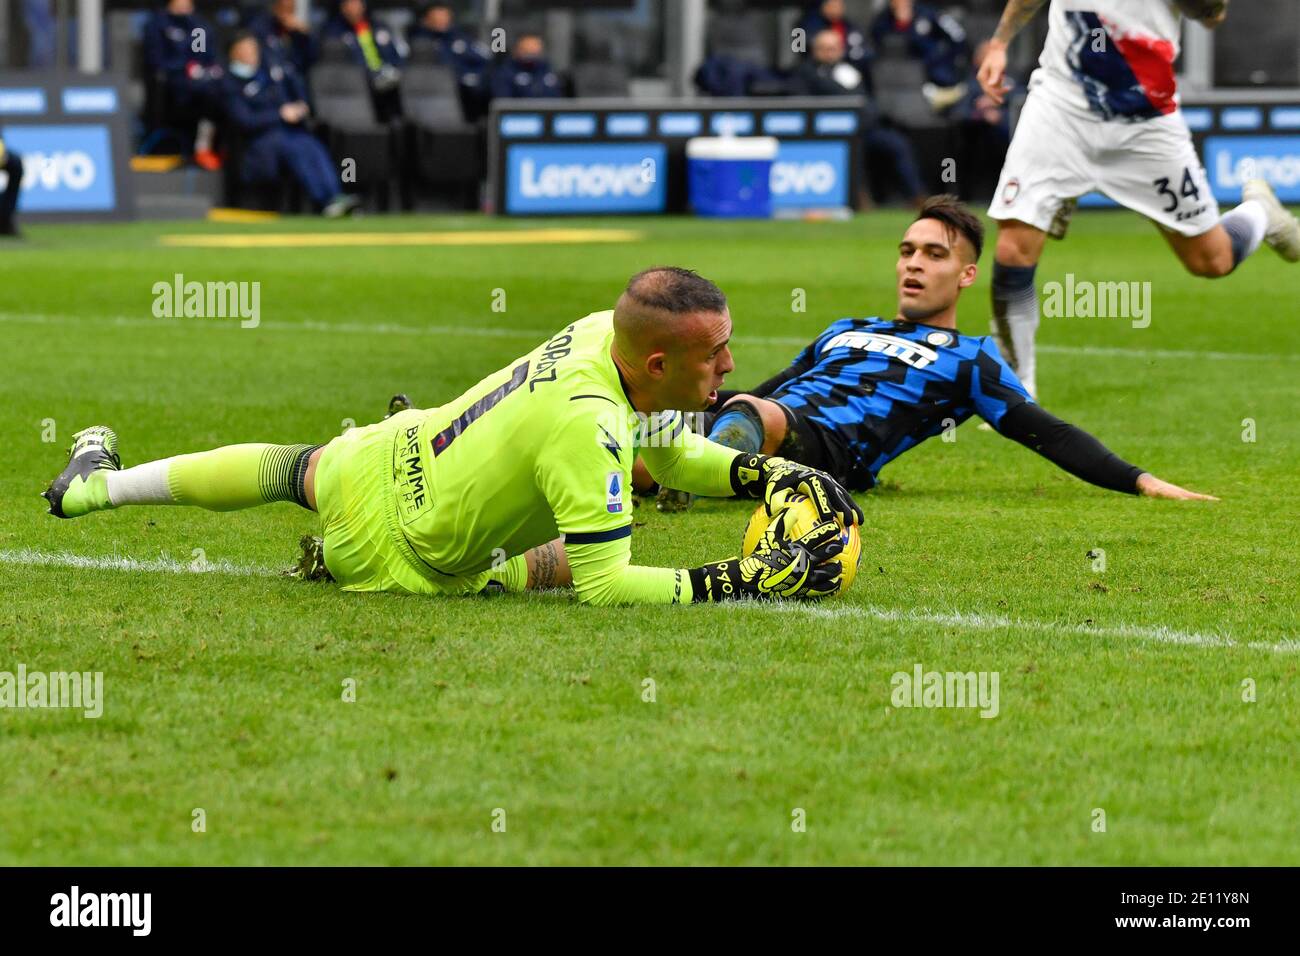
(956, 217)
(675, 290)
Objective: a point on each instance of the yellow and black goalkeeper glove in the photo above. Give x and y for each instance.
(776, 479)
(790, 569)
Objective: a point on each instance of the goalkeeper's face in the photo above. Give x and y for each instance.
(692, 367)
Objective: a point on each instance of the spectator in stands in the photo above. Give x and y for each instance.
(284, 37)
(936, 39)
(727, 76)
(456, 47)
(42, 33)
(526, 74)
(267, 104)
(467, 56)
(12, 165)
(178, 57)
(372, 47)
(829, 15)
(828, 73)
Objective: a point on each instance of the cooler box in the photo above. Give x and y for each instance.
(731, 175)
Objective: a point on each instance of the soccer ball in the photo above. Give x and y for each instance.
(797, 518)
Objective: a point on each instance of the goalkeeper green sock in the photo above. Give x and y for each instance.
(224, 479)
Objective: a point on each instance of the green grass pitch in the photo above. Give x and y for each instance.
(1121, 690)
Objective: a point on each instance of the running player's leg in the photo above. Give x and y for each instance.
(1212, 254)
(1260, 218)
(1047, 168)
(1154, 170)
(1018, 248)
(223, 479)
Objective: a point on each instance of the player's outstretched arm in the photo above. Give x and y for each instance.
(993, 71)
(1074, 450)
(603, 575)
(583, 473)
(676, 457)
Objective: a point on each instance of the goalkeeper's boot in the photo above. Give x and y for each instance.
(400, 402)
(82, 487)
(671, 500)
(1283, 232)
(311, 563)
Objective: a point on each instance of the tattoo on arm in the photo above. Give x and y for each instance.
(1014, 17)
(545, 564)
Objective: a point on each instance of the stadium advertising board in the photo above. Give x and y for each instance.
(811, 174)
(1231, 160)
(614, 178)
(594, 156)
(73, 139)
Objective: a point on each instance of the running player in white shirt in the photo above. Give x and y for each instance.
(1102, 114)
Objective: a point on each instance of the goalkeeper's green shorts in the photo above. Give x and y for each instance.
(356, 498)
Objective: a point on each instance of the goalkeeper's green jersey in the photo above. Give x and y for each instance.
(544, 447)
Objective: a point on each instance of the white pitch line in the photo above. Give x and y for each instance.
(66, 559)
(963, 619)
(317, 327)
(982, 622)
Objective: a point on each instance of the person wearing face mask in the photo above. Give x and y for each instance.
(267, 104)
(527, 74)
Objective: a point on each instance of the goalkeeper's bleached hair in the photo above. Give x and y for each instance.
(674, 290)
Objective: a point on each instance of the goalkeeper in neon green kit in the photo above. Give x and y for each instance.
(479, 492)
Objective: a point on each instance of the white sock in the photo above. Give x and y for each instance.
(1246, 226)
(142, 485)
(1022, 316)
(1015, 320)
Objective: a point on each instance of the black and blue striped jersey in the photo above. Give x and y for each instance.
(878, 387)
